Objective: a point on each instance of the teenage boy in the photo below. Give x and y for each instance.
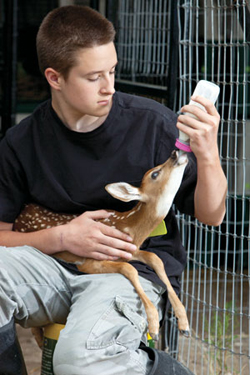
(61, 157)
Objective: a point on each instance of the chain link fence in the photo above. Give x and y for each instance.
(214, 45)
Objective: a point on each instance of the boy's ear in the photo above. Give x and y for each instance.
(124, 192)
(53, 78)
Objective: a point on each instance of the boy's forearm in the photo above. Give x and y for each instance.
(48, 240)
(210, 194)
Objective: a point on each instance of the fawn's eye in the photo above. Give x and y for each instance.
(155, 174)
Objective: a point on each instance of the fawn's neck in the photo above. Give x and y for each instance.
(138, 222)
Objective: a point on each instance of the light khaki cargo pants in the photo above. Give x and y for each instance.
(105, 319)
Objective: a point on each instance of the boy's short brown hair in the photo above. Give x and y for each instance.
(66, 30)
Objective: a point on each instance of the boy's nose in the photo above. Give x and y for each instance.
(108, 86)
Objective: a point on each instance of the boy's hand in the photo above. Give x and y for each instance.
(86, 237)
(202, 130)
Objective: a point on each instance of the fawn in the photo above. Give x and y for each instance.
(155, 195)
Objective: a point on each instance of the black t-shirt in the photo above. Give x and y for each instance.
(43, 161)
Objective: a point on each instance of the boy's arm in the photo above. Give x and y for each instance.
(210, 193)
(45, 240)
(83, 236)
(211, 188)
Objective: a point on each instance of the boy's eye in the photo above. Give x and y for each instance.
(93, 79)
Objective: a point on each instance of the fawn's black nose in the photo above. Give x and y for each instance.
(179, 157)
(174, 155)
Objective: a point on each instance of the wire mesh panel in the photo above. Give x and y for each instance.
(214, 45)
(143, 32)
(142, 41)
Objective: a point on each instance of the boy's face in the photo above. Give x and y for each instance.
(89, 88)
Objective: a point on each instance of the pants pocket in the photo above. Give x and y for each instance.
(119, 325)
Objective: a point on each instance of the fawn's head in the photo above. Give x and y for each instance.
(159, 185)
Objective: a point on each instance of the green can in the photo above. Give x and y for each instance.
(51, 335)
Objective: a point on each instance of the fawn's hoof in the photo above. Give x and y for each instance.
(185, 333)
(155, 336)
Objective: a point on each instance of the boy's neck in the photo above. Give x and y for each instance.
(83, 124)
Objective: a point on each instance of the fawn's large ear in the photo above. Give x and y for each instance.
(124, 192)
